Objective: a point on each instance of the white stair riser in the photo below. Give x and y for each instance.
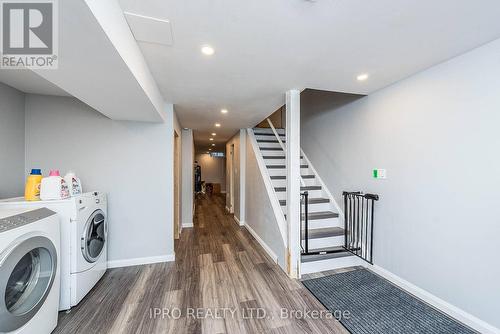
(278, 183)
(326, 242)
(317, 207)
(282, 171)
(273, 172)
(331, 264)
(281, 195)
(320, 223)
(282, 182)
(313, 193)
(269, 145)
(280, 161)
(272, 153)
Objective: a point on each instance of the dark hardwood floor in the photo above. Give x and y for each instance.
(221, 282)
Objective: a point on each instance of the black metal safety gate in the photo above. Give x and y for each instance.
(358, 225)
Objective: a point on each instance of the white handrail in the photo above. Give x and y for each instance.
(277, 135)
(283, 147)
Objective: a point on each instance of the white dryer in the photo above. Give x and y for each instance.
(29, 270)
(83, 242)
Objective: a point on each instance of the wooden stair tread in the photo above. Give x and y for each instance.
(283, 177)
(281, 189)
(321, 215)
(325, 232)
(311, 201)
(271, 149)
(283, 166)
(320, 257)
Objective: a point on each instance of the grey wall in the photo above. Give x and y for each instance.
(131, 161)
(437, 133)
(12, 168)
(213, 170)
(259, 211)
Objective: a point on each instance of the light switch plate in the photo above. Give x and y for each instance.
(379, 173)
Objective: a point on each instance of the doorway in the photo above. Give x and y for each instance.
(177, 187)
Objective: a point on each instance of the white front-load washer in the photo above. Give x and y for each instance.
(76, 215)
(89, 233)
(29, 270)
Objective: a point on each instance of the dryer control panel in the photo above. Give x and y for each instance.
(28, 217)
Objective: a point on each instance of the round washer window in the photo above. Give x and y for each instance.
(26, 279)
(94, 237)
(29, 281)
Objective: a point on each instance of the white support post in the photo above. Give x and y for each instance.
(293, 181)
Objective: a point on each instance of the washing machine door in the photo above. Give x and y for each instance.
(94, 236)
(27, 272)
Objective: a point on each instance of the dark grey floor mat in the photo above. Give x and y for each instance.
(377, 306)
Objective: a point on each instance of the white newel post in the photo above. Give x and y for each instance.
(293, 180)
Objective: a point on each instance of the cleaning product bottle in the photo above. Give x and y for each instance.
(32, 189)
(53, 187)
(74, 183)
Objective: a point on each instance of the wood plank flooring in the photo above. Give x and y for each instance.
(221, 282)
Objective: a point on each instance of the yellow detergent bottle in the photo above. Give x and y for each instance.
(32, 189)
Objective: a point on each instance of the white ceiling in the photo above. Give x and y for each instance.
(263, 48)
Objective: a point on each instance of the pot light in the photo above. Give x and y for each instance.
(217, 125)
(224, 111)
(213, 144)
(211, 139)
(207, 50)
(214, 134)
(362, 77)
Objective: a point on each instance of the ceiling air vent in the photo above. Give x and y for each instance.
(150, 29)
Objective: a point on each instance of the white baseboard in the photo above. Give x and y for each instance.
(453, 311)
(141, 261)
(187, 225)
(268, 249)
(238, 221)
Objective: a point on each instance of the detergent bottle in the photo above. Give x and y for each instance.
(53, 187)
(32, 189)
(74, 183)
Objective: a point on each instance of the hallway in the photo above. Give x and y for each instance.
(221, 282)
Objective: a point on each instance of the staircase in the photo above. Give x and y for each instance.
(325, 227)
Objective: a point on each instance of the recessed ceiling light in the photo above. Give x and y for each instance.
(213, 144)
(211, 139)
(217, 125)
(209, 149)
(214, 134)
(207, 50)
(224, 111)
(362, 77)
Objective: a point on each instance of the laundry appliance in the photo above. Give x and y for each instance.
(29, 270)
(84, 230)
